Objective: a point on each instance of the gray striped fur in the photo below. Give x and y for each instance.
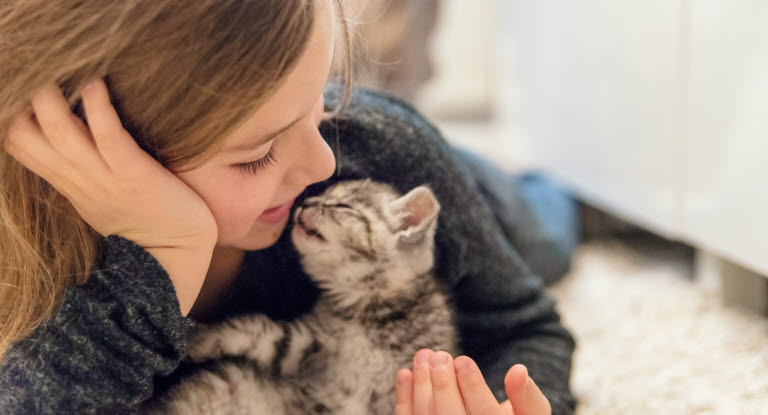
(381, 303)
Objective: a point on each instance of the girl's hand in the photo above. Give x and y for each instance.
(456, 387)
(114, 185)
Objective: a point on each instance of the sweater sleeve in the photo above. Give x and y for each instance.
(536, 215)
(99, 352)
(504, 315)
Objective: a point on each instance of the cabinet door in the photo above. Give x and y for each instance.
(727, 193)
(601, 93)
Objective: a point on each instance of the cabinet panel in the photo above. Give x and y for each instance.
(602, 96)
(727, 185)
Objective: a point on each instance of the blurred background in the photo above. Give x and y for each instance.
(654, 115)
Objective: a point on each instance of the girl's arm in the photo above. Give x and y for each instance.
(504, 315)
(101, 350)
(537, 216)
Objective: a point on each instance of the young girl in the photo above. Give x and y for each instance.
(162, 202)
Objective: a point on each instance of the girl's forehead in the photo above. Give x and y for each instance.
(297, 96)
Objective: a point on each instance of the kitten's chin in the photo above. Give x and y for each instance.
(304, 240)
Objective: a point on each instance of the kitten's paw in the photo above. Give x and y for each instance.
(255, 337)
(207, 344)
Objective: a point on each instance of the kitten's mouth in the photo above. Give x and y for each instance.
(311, 232)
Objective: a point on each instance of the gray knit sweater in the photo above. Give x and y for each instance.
(119, 339)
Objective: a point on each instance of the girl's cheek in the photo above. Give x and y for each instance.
(258, 191)
(319, 110)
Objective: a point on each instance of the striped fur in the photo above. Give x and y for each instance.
(371, 251)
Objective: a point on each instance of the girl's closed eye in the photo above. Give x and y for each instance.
(255, 166)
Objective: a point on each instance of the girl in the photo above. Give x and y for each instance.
(161, 201)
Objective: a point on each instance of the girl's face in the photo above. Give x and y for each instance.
(282, 138)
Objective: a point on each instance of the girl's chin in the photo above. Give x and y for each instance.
(261, 236)
(264, 237)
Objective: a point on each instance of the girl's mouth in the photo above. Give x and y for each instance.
(277, 213)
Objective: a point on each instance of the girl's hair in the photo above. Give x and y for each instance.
(181, 74)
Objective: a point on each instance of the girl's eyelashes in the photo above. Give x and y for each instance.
(255, 166)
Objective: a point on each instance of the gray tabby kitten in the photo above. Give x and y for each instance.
(371, 252)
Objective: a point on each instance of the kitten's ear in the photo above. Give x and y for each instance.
(416, 211)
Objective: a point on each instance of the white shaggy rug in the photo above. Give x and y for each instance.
(650, 341)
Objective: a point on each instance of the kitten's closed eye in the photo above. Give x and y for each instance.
(340, 205)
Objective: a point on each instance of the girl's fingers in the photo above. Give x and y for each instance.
(81, 127)
(477, 396)
(58, 125)
(423, 401)
(112, 140)
(525, 396)
(26, 143)
(506, 408)
(447, 397)
(404, 393)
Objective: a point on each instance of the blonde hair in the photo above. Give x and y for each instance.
(181, 75)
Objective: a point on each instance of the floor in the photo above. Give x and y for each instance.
(651, 341)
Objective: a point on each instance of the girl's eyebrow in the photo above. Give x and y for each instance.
(260, 142)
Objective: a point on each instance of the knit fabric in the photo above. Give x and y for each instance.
(99, 351)
(119, 339)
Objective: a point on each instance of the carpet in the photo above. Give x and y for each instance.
(651, 341)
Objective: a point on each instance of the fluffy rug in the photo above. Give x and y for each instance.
(651, 341)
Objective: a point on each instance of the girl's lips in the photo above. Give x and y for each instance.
(277, 213)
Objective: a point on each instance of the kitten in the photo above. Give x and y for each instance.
(370, 250)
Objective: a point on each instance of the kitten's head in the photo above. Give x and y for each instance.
(356, 230)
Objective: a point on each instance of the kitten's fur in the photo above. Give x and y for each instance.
(371, 252)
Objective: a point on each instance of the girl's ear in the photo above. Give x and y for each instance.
(416, 211)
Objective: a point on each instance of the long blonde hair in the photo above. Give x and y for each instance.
(182, 75)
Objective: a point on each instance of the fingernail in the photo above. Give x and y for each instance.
(439, 359)
(89, 86)
(462, 365)
(422, 357)
(401, 377)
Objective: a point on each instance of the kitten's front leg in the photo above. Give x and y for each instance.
(279, 348)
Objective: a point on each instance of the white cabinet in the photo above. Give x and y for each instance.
(726, 193)
(656, 110)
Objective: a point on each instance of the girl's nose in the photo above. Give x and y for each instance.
(313, 159)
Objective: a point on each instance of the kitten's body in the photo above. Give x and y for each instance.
(371, 252)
